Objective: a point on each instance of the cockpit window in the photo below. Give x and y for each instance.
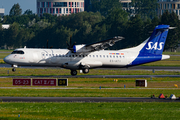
(17, 52)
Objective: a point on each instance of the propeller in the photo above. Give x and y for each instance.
(47, 43)
(70, 45)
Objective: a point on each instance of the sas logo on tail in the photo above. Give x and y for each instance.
(155, 46)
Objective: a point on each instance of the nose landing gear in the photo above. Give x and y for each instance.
(14, 68)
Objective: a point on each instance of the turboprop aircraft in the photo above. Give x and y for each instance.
(88, 56)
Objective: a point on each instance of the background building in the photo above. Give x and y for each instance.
(125, 4)
(2, 12)
(59, 7)
(170, 6)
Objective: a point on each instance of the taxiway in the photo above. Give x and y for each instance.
(84, 99)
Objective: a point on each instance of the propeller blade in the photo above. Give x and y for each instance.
(47, 43)
(70, 40)
(73, 44)
(67, 44)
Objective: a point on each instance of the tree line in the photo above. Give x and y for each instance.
(33, 31)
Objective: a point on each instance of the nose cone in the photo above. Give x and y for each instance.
(7, 59)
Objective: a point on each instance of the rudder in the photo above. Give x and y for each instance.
(155, 44)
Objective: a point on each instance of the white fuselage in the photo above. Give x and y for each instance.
(66, 59)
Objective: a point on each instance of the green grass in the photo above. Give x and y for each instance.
(17, 92)
(171, 53)
(88, 111)
(109, 82)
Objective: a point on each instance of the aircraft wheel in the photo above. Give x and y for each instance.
(14, 69)
(73, 72)
(86, 70)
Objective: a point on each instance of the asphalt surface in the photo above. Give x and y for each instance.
(83, 99)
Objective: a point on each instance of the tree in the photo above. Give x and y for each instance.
(28, 12)
(15, 10)
(104, 6)
(1, 35)
(134, 32)
(11, 35)
(173, 35)
(116, 20)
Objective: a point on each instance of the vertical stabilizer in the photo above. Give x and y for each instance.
(151, 49)
(156, 42)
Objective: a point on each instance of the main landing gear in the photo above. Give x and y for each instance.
(74, 72)
(86, 70)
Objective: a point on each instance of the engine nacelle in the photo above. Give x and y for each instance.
(79, 49)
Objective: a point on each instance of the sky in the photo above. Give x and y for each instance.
(24, 4)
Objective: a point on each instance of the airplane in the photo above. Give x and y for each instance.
(88, 56)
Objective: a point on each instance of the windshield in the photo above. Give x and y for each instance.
(17, 52)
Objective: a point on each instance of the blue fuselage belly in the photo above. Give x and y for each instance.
(142, 59)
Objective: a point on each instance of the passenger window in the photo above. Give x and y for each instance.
(46, 54)
(89, 55)
(107, 56)
(96, 55)
(49, 54)
(104, 56)
(79, 55)
(72, 55)
(100, 56)
(110, 56)
(83, 56)
(93, 55)
(113, 56)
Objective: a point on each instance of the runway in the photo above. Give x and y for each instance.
(84, 99)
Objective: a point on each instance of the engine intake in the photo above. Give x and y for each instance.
(79, 49)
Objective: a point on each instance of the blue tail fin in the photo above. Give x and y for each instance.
(156, 42)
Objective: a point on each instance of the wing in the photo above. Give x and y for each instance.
(101, 45)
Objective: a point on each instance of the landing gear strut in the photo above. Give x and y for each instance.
(14, 68)
(73, 72)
